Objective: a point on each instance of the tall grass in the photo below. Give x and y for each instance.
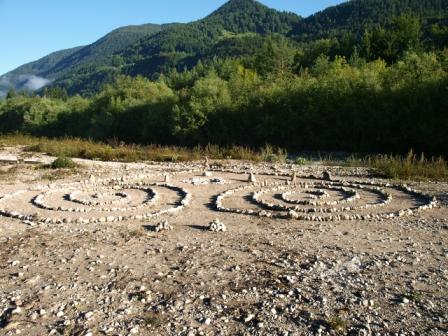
(412, 166)
(87, 149)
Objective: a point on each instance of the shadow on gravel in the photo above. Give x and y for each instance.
(149, 228)
(5, 317)
(211, 205)
(198, 227)
(443, 198)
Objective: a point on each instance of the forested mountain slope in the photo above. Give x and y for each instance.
(95, 55)
(369, 81)
(355, 15)
(20, 76)
(186, 44)
(240, 28)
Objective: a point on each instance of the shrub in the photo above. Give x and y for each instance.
(300, 161)
(63, 163)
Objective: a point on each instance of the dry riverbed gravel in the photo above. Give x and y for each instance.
(199, 271)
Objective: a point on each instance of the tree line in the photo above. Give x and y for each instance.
(388, 93)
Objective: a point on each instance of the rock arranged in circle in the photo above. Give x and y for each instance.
(312, 199)
(95, 201)
(96, 205)
(98, 199)
(318, 194)
(271, 194)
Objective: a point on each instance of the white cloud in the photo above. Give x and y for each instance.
(22, 82)
(33, 83)
(4, 86)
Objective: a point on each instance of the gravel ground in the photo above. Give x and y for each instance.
(170, 274)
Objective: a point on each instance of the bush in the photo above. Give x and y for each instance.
(273, 155)
(300, 161)
(63, 163)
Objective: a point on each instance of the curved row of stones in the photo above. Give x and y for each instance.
(75, 197)
(119, 182)
(150, 200)
(430, 202)
(352, 195)
(316, 194)
(386, 199)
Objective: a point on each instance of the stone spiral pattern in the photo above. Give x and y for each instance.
(121, 197)
(316, 207)
(96, 200)
(152, 198)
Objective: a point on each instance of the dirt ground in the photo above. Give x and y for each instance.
(88, 260)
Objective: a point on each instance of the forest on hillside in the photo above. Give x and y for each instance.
(384, 90)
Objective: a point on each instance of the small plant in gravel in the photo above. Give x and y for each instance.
(63, 163)
(300, 161)
(338, 324)
(154, 319)
(416, 296)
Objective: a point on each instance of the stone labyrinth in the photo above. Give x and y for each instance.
(95, 201)
(314, 199)
(277, 196)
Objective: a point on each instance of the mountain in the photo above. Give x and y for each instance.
(179, 45)
(55, 65)
(23, 76)
(355, 15)
(100, 52)
(190, 42)
(236, 29)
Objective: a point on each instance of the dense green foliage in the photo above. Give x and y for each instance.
(238, 78)
(335, 105)
(234, 30)
(354, 16)
(102, 51)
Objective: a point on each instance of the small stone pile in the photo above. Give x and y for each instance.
(294, 177)
(217, 226)
(163, 226)
(252, 178)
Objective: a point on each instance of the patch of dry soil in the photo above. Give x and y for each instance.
(88, 260)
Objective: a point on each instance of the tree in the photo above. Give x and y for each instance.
(208, 95)
(56, 92)
(407, 31)
(391, 42)
(439, 35)
(11, 93)
(276, 57)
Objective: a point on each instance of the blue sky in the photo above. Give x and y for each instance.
(31, 29)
